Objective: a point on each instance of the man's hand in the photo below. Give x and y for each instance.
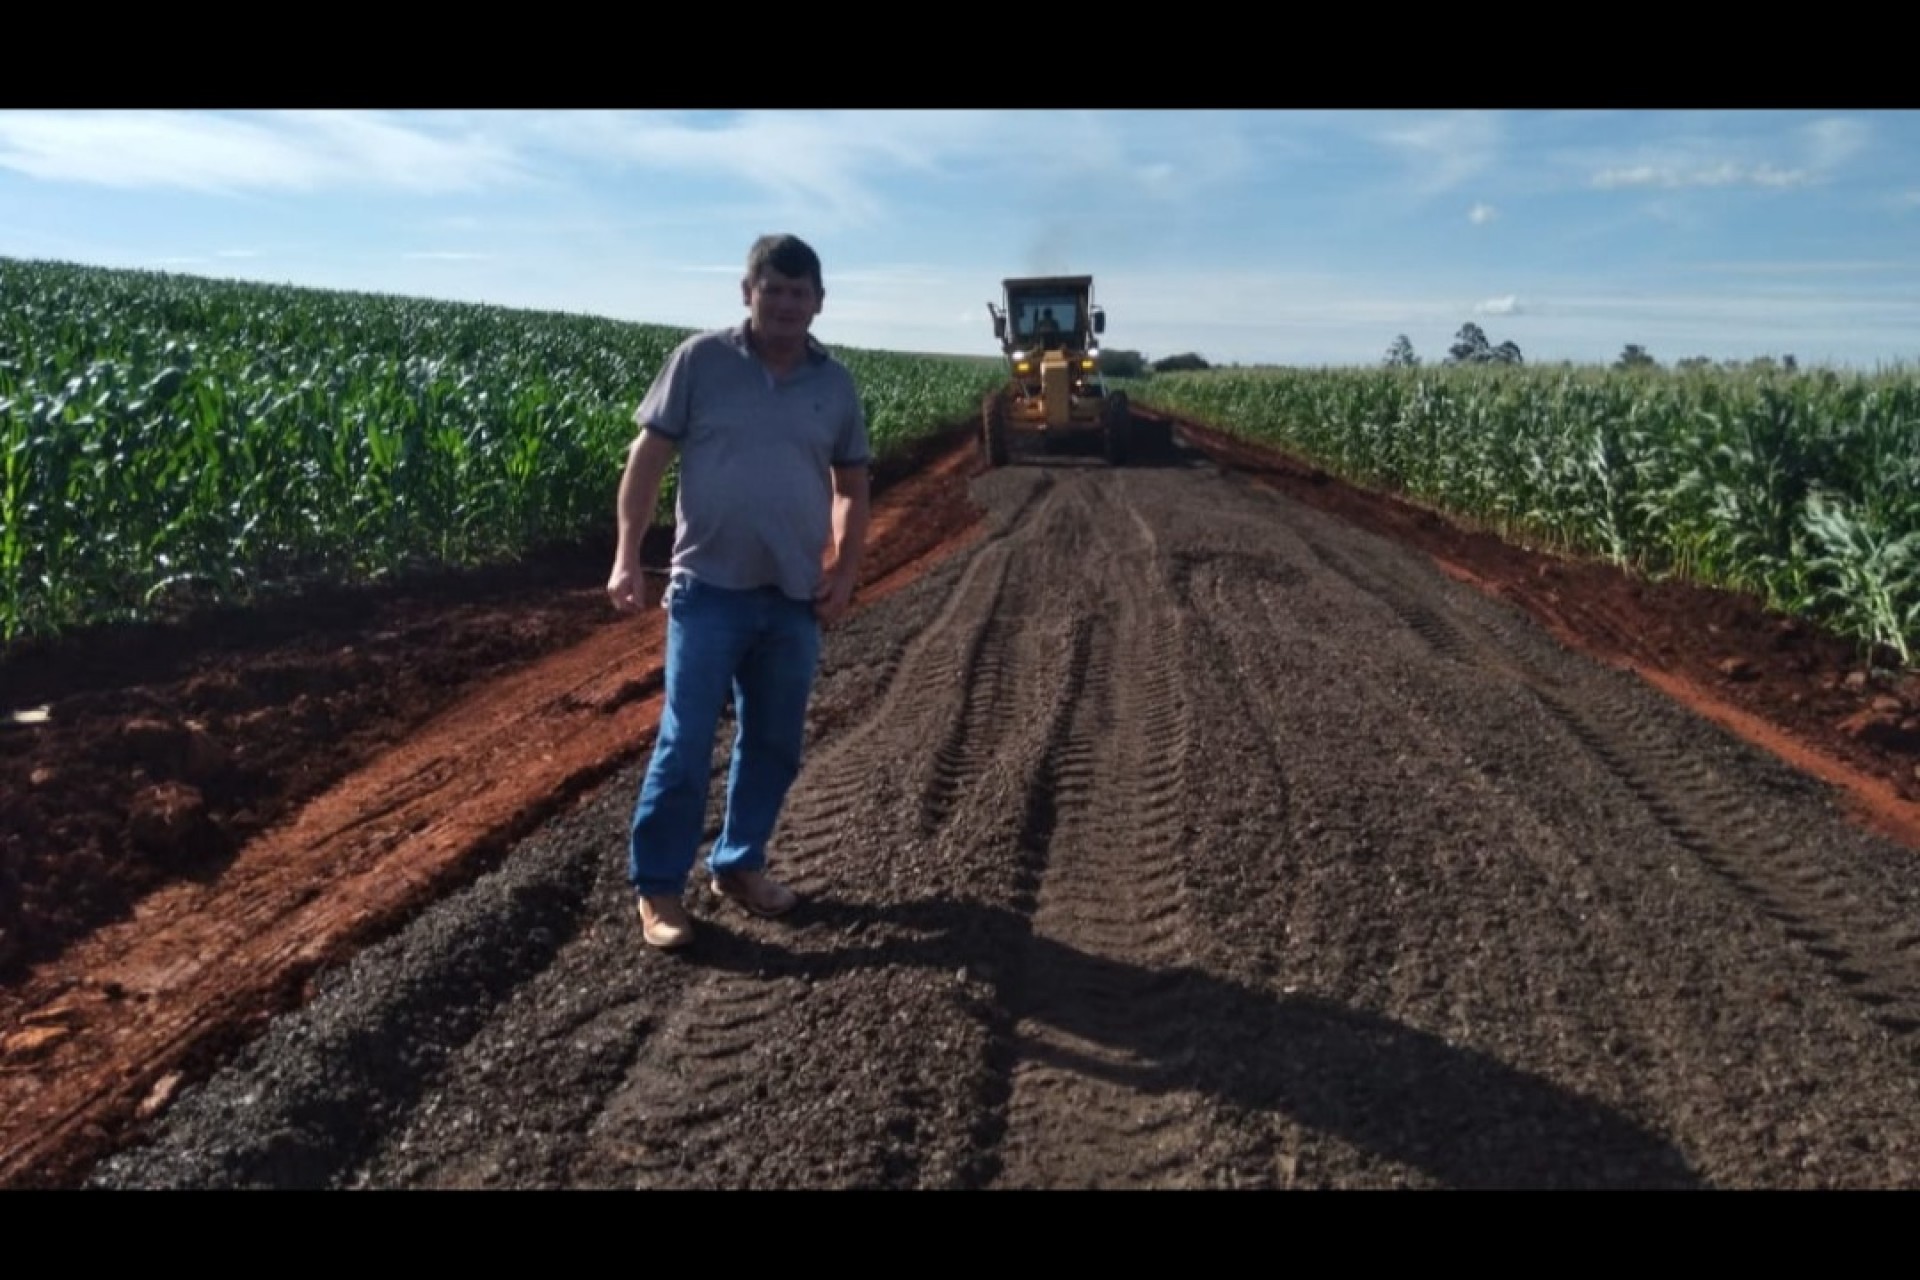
(623, 588)
(833, 597)
(647, 459)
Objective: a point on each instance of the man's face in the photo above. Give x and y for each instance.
(782, 306)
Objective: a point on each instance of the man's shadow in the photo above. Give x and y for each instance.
(1460, 1115)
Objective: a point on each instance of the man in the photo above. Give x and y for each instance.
(1048, 329)
(769, 527)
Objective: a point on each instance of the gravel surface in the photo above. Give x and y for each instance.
(1173, 834)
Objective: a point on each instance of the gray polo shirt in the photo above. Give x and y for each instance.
(755, 505)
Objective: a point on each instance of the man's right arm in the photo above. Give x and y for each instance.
(647, 461)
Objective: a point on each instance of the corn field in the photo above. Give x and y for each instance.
(1801, 488)
(168, 438)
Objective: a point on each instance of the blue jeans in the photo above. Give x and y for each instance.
(763, 648)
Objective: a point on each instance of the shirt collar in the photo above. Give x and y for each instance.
(738, 336)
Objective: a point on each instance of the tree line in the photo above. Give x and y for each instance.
(1471, 346)
(1118, 363)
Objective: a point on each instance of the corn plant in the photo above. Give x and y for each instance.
(164, 436)
(1803, 488)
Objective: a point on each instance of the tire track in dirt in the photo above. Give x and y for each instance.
(1464, 906)
(976, 670)
(967, 682)
(1827, 902)
(1175, 835)
(954, 683)
(1568, 898)
(1091, 1100)
(1865, 945)
(1052, 728)
(668, 1121)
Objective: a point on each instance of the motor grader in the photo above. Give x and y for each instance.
(1049, 330)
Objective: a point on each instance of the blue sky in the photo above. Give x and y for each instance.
(1286, 237)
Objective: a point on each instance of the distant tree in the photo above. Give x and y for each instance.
(1116, 363)
(1400, 354)
(1788, 363)
(1692, 363)
(1635, 357)
(1180, 363)
(1470, 346)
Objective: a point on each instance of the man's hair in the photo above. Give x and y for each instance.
(789, 255)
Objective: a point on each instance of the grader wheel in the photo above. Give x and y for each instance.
(1117, 419)
(993, 430)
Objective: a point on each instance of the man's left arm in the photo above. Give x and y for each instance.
(850, 512)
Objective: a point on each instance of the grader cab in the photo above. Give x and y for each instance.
(1049, 330)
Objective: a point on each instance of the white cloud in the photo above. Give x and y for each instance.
(1481, 214)
(1158, 176)
(839, 165)
(822, 163)
(1721, 174)
(827, 169)
(1507, 306)
(904, 276)
(389, 153)
(1829, 266)
(1445, 151)
(272, 151)
(1643, 175)
(1767, 175)
(1809, 154)
(1835, 140)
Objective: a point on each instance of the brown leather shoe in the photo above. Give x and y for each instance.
(664, 923)
(756, 892)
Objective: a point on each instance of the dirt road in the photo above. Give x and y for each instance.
(1171, 834)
